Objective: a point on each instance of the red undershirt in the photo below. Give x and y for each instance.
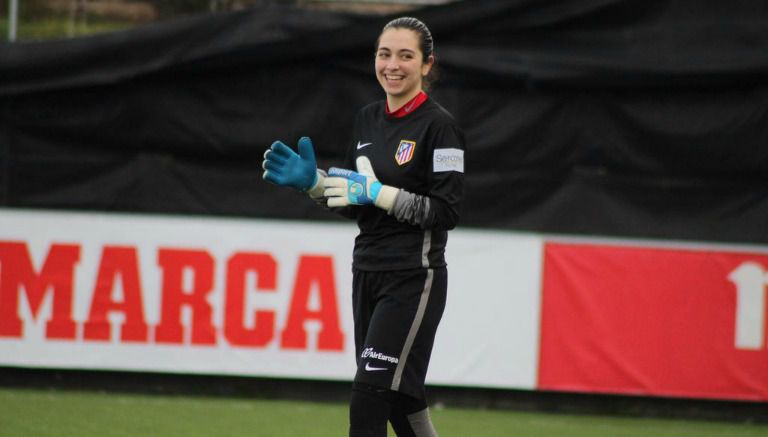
(409, 107)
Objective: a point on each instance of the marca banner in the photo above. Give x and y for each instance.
(671, 321)
(246, 297)
(272, 299)
(173, 294)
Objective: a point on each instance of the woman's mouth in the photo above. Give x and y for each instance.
(393, 78)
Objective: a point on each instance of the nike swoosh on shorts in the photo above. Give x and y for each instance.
(369, 368)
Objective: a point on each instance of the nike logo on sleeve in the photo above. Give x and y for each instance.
(360, 146)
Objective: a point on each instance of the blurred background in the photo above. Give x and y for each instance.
(612, 253)
(49, 19)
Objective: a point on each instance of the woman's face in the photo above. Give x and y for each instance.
(400, 64)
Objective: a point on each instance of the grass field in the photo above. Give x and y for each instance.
(83, 414)
(58, 28)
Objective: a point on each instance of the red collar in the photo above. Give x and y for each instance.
(409, 107)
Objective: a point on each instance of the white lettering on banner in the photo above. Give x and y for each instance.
(448, 160)
(750, 279)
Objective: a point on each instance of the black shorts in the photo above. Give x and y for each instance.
(396, 315)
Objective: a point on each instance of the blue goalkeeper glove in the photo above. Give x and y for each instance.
(346, 187)
(283, 166)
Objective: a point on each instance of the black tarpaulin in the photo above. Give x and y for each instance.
(627, 118)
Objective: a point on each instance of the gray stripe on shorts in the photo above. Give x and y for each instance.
(421, 424)
(414, 329)
(425, 247)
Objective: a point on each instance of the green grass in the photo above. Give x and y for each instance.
(59, 28)
(84, 414)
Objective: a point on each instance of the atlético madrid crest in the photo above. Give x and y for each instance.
(404, 151)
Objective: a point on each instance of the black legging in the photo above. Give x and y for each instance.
(371, 407)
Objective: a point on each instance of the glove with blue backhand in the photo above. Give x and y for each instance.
(283, 166)
(346, 187)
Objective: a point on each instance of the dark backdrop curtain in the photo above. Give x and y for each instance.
(599, 117)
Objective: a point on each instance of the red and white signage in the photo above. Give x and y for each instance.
(174, 294)
(270, 298)
(246, 297)
(654, 320)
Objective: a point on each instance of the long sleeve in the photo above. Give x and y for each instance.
(440, 208)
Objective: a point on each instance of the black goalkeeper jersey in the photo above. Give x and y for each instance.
(422, 154)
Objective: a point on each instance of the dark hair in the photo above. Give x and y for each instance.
(426, 44)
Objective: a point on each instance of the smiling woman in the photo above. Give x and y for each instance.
(404, 58)
(404, 210)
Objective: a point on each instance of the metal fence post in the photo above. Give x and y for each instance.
(13, 18)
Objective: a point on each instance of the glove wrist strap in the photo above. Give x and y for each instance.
(316, 190)
(386, 198)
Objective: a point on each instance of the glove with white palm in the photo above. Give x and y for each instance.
(346, 187)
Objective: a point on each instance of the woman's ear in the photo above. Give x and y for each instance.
(425, 67)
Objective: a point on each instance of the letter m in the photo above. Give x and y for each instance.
(56, 276)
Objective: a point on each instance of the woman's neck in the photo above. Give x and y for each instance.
(396, 102)
(408, 106)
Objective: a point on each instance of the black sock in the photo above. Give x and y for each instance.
(369, 411)
(410, 417)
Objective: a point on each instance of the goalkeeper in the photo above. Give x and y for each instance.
(403, 182)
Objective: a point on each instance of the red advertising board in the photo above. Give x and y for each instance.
(686, 322)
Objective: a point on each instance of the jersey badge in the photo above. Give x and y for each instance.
(405, 151)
